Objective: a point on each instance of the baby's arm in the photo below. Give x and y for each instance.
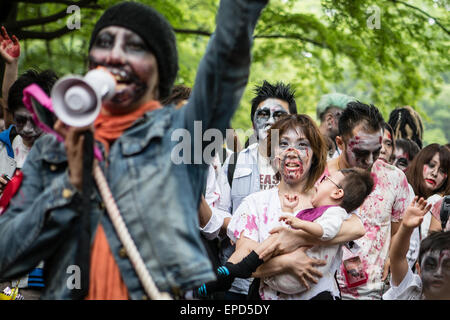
(311, 228)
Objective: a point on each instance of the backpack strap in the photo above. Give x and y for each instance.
(232, 167)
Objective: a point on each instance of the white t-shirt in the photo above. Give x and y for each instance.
(259, 213)
(267, 179)
(21, 151)
(409, 289)
(330, 221)
(212, 197)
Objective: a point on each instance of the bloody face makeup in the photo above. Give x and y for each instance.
(435, 274)
(267, 113)
(363, 149)
(433, 174)
(25, 126)
(401, 159)
(293, 156)
(128, 58)
(387, 147)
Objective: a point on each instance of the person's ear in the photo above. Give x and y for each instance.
(418, 268)
(329, 120)
(337, 194)
(340, 142)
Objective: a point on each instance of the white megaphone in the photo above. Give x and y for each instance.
(77, 100)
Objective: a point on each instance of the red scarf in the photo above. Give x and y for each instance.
(108, 128)
(105, 280)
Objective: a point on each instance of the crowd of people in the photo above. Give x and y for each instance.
(350, 206)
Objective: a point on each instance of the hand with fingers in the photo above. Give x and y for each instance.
(303, 267)
(414, 214)
(290, 201)
(292, 221)
(73, 142)
(9, 48)
(286, 241)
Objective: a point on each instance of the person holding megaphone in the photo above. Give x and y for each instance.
(59, 215)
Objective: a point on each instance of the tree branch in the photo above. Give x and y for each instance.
(66, 2)
(39, 21)
(260, 36)
(291, 37)
(423, 12)
(190, 31)
(23, 34)
(51, 18)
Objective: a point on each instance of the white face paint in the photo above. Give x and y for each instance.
(267, 113)
(293, 156)
(363, 149)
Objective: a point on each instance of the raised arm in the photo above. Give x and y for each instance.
(224, 69)
(10, 52)
(412, 218)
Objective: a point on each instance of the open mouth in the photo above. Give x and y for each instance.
(292, 164)
(123, 78)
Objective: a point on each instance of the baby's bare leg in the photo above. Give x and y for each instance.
(264, 245)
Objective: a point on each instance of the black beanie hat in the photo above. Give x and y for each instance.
(156, 32)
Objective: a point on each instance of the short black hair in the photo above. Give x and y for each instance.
(408, 146)
(438, 240)
(356, 113)
(278, 91)
(357, 185)
(44, 79)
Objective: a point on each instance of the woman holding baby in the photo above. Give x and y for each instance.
(298, 154)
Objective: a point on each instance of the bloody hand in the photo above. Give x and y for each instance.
(9, 49)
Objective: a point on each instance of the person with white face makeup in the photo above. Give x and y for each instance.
(298, 153)
(405, 151)
(428, 176)
(360, 139)
(18, 139)
(250, 170)
(433, 266)
(64, 221)
(15, 145)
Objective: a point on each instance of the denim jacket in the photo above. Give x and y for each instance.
(157, 198)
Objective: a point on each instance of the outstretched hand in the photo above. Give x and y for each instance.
(414, 214)
(9, 48)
